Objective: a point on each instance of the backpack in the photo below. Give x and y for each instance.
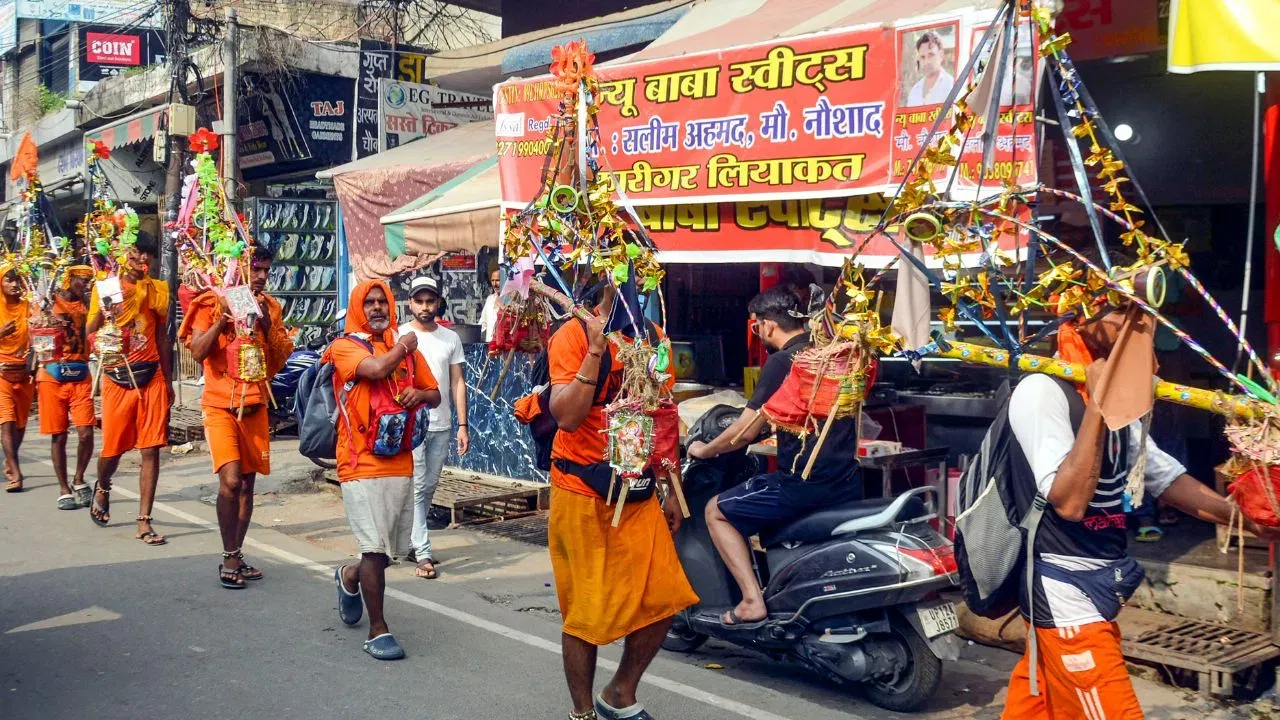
(543, 426)
(317, 412)
(1002, 517)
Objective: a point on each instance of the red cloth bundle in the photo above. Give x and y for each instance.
(1258, 495)
(817, 386)
(666, 436)
(511, 332)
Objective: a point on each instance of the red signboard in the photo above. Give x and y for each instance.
(825, 231)
(112, 49)
(1112, 28)
(809, 117)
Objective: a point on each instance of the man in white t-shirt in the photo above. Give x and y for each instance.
(442, 349)
(1083, 574)
(933, 88)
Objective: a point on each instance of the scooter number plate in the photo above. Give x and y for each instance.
(938, 619)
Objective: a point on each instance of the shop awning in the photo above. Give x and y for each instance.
(461, 214)
(382, 184)
(135, 128)
(476, 69)
(716, 24)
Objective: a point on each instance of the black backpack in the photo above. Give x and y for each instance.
(543, 429)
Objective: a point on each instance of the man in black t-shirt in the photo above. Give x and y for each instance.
(777, 498)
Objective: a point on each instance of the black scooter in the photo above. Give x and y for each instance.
(851, 589)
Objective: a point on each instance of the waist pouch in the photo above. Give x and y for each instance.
(133, 375)
(1108, 588)
(68, 372)
(15, 372)
(600, 478)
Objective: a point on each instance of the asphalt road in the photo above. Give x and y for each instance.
(93, 624)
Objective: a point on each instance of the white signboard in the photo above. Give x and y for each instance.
(407, 111)
(8, 26)
(100, 12)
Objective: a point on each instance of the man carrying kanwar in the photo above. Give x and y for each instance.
(64, 386)
(612, 582)
(385, 390)
(236, 423)
(136, 388)
(1065, 447)
(16, 388)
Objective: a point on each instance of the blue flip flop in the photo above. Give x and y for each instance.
(350, 607)
(605, 711)
(384, 647)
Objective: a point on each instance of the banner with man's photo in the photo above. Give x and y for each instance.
(826, 115)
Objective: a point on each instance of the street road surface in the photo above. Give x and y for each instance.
(93, 624)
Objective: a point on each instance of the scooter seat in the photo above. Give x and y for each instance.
(819, 526)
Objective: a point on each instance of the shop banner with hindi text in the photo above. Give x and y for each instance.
(820, 116)
(824, 231)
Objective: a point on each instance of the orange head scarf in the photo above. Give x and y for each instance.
(1071, 348)
(356, 320)
(73, 272)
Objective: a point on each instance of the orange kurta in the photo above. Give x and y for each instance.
(142, 315)
(235, 420)
(69, 403)
(221, 389)
(137, 418)
(355, 460)
(586, 445)
(15, 395)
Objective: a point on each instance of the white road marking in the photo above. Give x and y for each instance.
(326, 573)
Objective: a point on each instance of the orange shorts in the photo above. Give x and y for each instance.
(15, 402)
(1081, 674)
(247, 440)
(134, 419)
(65, 404)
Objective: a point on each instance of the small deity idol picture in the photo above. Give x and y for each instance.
(242, 304)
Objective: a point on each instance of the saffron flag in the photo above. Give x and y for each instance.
(25, 160)
(1224, 35)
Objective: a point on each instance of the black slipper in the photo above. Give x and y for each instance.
(738, 623)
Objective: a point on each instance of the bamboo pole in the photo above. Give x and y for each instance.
(1218, 402)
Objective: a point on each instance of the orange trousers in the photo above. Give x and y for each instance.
(1081, 674)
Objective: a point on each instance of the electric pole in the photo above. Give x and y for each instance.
(177, 14)
(230, 77)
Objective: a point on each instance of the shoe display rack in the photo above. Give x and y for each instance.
(304, 276)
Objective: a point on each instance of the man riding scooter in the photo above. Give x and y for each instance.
(774, 499)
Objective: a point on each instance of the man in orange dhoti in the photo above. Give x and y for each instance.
(612, 582)
(16, 389)
(64, 387)
(136, 389)
(235, 410)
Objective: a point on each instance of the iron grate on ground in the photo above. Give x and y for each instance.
(1215, 652)
(530, 529)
